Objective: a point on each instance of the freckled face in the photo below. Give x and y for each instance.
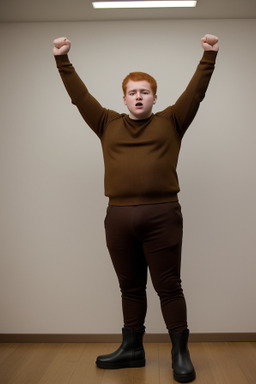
(139, 99)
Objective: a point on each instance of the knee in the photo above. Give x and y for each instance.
(169, 287)
(131, 287)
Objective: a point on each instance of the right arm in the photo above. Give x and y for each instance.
(91, 110)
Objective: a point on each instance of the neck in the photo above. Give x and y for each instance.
(132, 117)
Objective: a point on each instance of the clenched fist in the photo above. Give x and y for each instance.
(61, 46)
(210, 43)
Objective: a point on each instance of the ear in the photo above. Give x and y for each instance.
(124, 99)
(155, 98)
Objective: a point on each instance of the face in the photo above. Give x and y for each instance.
(139, 99)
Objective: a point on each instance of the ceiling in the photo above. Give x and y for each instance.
(82, 10)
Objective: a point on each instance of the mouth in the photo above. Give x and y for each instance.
(138, 105)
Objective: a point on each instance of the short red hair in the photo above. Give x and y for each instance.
(139, 76)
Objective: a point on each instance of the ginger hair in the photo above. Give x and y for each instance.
(139, 76)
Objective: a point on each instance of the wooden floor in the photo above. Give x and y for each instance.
(215, 363)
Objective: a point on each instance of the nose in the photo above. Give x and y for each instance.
(138, 96)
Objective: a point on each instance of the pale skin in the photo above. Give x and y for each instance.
(139, 97)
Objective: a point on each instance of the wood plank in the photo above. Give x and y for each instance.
(165, 364)
(150, 373)
(6, 349)
(222, 364)
(18, 361)
(202, 364)
(63, 365)
(245, 356)
(37, 359)
(86, 370)
(215, 363)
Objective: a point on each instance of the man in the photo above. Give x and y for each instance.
(144, 220)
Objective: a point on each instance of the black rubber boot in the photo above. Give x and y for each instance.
(183, 370)
(129, 355)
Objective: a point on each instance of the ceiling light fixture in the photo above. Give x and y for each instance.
(143, 4)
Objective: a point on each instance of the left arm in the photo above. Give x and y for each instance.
(188, 103)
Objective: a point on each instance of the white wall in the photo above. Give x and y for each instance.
(55, 272)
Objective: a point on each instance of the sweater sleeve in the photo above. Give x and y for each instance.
(91, 110)
(185, 108)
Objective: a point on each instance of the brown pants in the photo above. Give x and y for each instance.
(141, 237)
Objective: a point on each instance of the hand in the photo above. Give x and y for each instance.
(210, 43)
(61, 46)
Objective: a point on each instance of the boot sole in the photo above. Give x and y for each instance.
(123, 364)
(184, 378)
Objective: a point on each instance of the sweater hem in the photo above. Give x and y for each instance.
(122, 201)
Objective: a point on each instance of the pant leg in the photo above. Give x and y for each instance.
(129, 263)
(162, 243)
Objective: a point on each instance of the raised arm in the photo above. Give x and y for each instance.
(91, 110)
(188, 103)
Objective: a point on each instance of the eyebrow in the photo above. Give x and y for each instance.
(139, 89)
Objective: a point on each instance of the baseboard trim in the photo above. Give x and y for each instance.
(116, 338)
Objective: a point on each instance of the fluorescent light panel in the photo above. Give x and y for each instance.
(143, 4)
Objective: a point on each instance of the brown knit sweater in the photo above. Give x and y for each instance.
(140, 156)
